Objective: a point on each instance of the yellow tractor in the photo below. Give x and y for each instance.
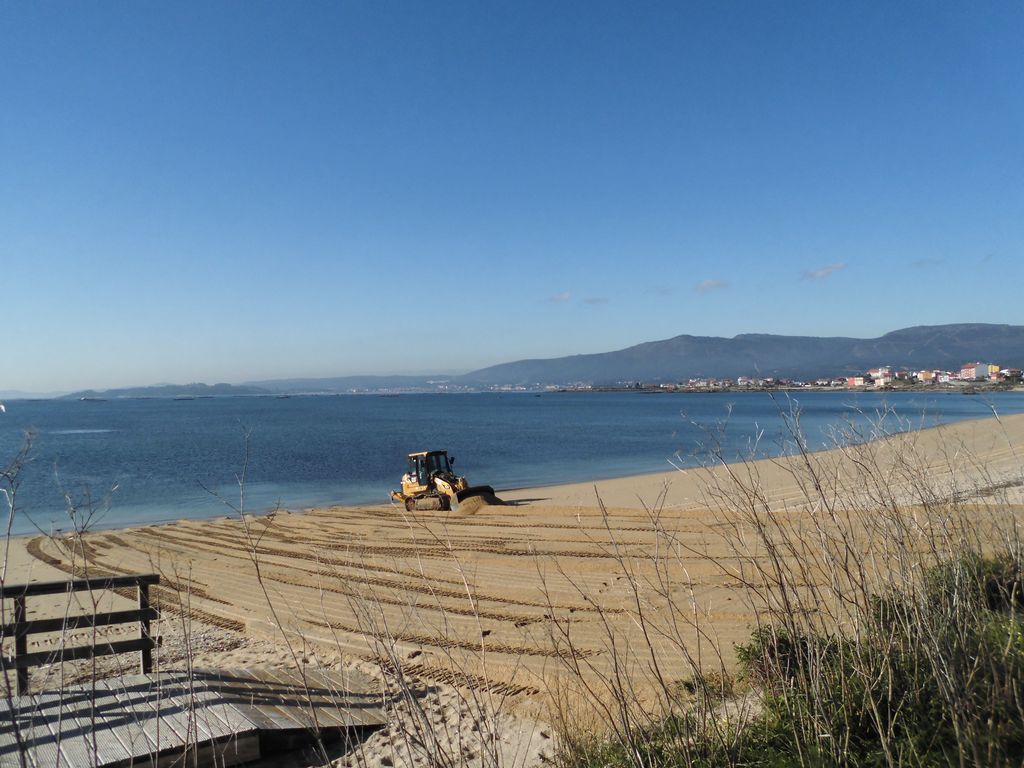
(430, 483)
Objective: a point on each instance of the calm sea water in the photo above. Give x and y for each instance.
(161, 455)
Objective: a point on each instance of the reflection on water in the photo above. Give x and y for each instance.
(79, 431)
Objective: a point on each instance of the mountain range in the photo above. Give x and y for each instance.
(945, 347)
(171, 390)
(683, 357)
(753, 354)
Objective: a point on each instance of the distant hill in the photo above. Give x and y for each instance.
(684, 357)
(17, 394)
(797, 357)
(680, 358)
(172, 390)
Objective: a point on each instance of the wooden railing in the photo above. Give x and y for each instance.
(22, 627)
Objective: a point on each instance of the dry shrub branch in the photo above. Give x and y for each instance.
(886, 581)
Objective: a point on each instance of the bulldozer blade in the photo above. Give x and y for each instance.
(476, 490)
(472, 499)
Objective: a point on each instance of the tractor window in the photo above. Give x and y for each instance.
(437, 463)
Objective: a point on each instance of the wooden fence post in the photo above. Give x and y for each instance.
(21, 627)
(144, 631)
(21, 641)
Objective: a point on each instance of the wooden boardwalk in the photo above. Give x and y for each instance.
(223, 718)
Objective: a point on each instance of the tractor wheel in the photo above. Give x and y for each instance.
(410, 504)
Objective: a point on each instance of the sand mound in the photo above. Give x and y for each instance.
(474, 504)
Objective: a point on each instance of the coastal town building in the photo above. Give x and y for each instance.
(973, 371)
(882, 377)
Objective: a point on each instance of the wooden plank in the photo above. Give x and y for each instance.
(164, 722)
(95, 711)
(64, 735)
(8, 730)
(73, 736)
(226, 734)
(11, 731)
(118, 725)
(279, 700)
(181, 704)
(222, 707)
(220, 732)
(90, 708)
(125, 721)
(276, 700)
(331, 701)
(76, 585)
(41, 747)
(75, 653)
(343, 698)
(137, 731)
(255, 714)
(168, 719)
(310, 701)
(70, 623)
(256, 698)
(220, 716)
(334, 700)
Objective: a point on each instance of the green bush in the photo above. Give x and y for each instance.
(935, 677)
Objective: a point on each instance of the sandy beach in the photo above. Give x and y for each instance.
(505, 614)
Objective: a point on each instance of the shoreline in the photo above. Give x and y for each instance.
(633, 491)
(627, 490)
(981, 387)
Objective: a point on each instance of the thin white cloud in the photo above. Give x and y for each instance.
(707, 286)
(658, 290)
(560, 298)
(822, 272)
(925, 263)
(596, 300)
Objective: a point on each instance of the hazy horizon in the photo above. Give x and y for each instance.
(185, 381)
(229, 193)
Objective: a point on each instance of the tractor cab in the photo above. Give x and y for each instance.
(423, 465)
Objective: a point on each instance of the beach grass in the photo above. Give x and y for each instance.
(886, 602)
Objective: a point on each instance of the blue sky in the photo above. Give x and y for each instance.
(241, 190)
